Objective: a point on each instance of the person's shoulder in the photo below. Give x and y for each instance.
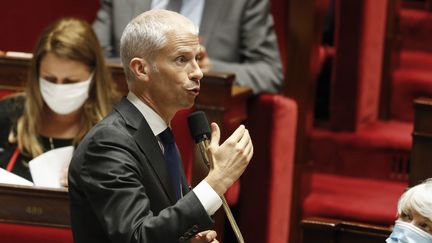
(111, 127)
(13, 102)
(12, 107)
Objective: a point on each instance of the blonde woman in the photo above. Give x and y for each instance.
(68, 90)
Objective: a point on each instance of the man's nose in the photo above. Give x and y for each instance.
(196, 74)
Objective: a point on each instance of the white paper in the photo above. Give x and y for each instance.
(47, 168)
(7, 177)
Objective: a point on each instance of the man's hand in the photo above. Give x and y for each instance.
(205, 236)
(230, 159)
(204, 61)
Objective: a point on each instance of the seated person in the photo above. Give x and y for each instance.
(68, 90)
(238, 36)
(414, 223)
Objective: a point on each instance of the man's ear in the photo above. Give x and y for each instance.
(140, 68)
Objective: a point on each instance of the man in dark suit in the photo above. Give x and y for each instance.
(238, 36)
(121, 186)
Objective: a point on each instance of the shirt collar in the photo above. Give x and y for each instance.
(156, 123)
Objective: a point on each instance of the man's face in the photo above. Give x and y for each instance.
(175, 74)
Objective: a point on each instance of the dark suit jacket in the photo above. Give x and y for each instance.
(238, 34)
(119, 186)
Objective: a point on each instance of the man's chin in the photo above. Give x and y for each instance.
(188, 105)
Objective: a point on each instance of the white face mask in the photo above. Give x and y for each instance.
(404, 232)
(65, 98)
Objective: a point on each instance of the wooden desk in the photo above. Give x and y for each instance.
(32, 205)
(222, 101)
(332, 230)
(421, 153)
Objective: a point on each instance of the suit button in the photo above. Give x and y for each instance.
(182, 239)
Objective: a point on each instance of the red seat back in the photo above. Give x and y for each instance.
(359, 42)
(266, 185)
(34, 234)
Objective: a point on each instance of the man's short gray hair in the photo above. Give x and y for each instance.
(146, 34)
(418, 198)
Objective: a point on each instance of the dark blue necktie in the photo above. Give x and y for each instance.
(172, 159)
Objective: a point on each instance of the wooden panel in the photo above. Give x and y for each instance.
(31, 205)
(421, 154)
(337, 231)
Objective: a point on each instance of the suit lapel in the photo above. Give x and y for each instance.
(148, 143)
(150, 146)
(209, 18)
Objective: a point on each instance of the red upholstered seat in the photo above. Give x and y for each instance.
(362, 200)
(409, 84)
(413, 76)
(4, 93)
(266, 185)
(17, 233)
(360, 161)
(376, 151)
(415, 60)
(416, 29)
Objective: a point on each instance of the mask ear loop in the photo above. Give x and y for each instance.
(12, 160)
(91, 76)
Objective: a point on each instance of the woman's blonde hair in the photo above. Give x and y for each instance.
(72, 39)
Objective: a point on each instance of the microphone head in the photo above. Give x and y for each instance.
(198, 126)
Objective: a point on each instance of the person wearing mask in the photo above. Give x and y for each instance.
(414, 223)
(68, 90)
(238, 36)
(126, 182)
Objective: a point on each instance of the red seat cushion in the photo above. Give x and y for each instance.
(373, 152)
(415, 60)
(20, 233)
(362, 200)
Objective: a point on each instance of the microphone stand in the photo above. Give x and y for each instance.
(208, 161)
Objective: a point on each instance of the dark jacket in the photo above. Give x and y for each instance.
(119, 186)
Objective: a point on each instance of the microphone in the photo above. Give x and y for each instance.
(201, 134)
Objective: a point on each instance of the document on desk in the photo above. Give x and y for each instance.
(7, 177)
(47, 168)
